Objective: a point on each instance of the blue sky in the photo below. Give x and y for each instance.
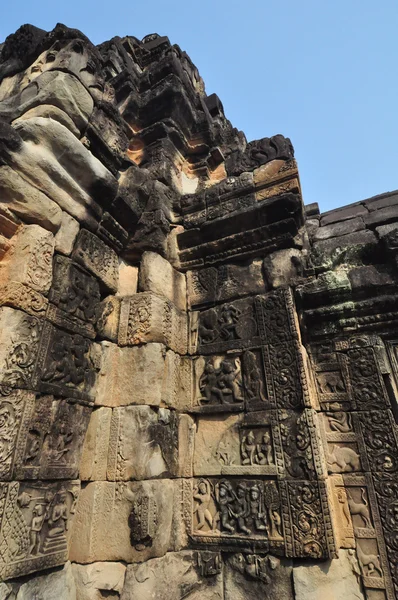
(322, 72)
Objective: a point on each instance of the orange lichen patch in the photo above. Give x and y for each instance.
(218, 174)
(136, 150)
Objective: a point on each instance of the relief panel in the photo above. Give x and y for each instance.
(74, 298)
(146, 317)
(66, 364)
(35, 524)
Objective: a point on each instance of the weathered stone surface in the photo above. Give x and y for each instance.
(74, 298)
(176, 576)
(98, 580)
(224, 283)
(59, 585)
(333, 579)
(108, 318)
(50, 440)
(339, 228)
(23, 297)
(250, 577)
(93, 463)
(50, 158)
(147, 444)
(342, 214)
(217, 444)
(158, 276)
(131, 375)
(29, 260)
(50, 112)
(382, 216)
(98, 258)
(131, 522)
(146, 317)
(358, 238)
(128, 279)
(283, 266)
(27, 202)
(66, 236)
(54, 88)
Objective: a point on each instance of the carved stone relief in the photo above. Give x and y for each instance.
(35, 525)
(146, 317)
(74, 298)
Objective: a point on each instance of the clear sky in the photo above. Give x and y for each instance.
(322, 72)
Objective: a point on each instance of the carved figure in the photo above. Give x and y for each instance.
(264, 450)
(58, 517)
(343, 460)
(225, 497)
(228, 320)
(257, 515)
(208, 383)
(223, 382)
(360, 508)
(330, 382)
(248, 449)
(254, 384)
(7, 430)
(241, 510)
(207, 328)
(342, 499)
(228, 380)
(38, 517)
(339, 421)
(202, 496)
(369, 563)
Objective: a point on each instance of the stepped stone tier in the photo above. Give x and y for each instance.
(198, 373)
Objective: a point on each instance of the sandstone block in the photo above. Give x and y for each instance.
(128, 279)
(19, 345)
(93, 462)
(337, 578)
(224, 283)
(98, 258)
(146, 317)
(339, 228)
(66, 235)
(283, 266)
(176, 576)
(29, 260)
(40, 515)
(50, 157)
(50, 435)
(74, 297)
(108, 320)
(99, 580)
(145, 444)
(119, 521)
(27, 202)
(54, 88)
(342, 214)
(158, 276)
(23, 297)
(49, 112)
(131, 375)
(177, 383)
(59, 585)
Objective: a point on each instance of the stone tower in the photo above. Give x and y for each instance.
(198, 373)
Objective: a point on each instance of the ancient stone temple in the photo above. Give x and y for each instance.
(198, 372)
